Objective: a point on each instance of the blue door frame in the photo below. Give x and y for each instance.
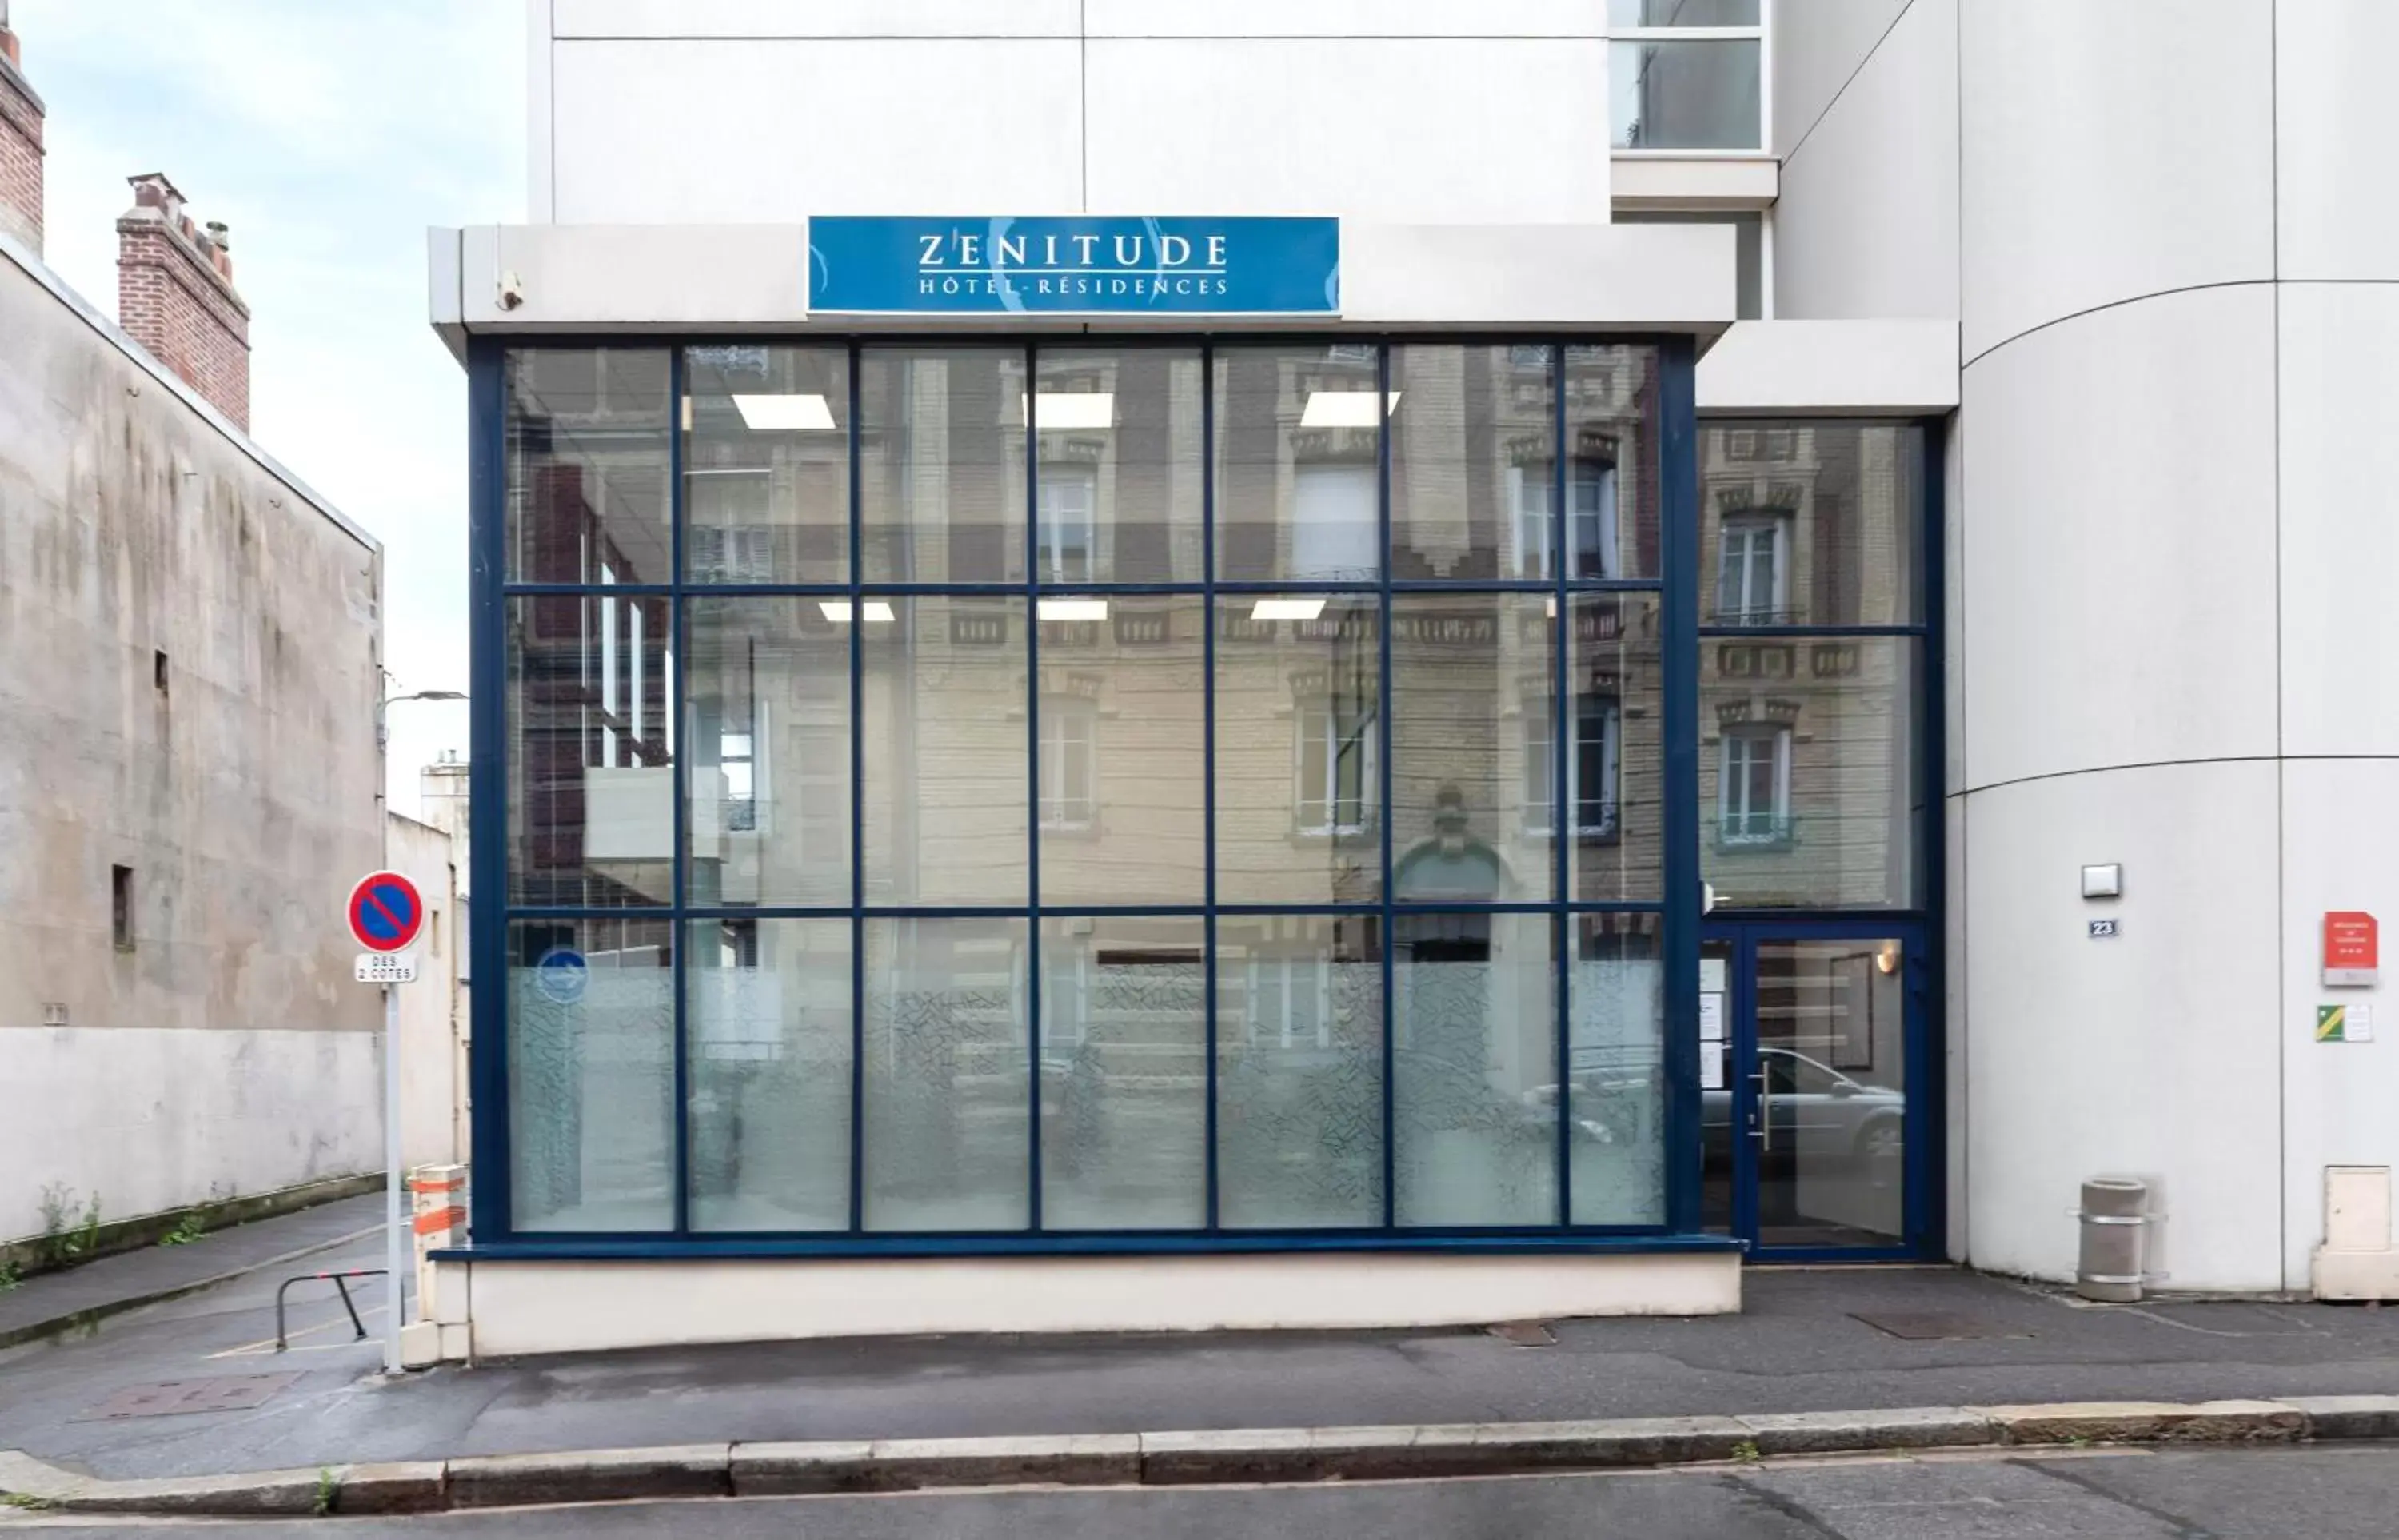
(1921, 1171)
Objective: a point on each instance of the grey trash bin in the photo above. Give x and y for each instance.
(2115, 1219)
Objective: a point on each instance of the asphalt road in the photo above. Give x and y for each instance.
(2349, 1493)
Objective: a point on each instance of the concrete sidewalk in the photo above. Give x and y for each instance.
(1838, 1340)
(53, 1302)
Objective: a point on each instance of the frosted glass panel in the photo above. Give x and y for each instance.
(1299, 1072)
(948, 1119)
(1615, 1065)
(1474, 1070)
(592, 1074)
(1124, 1075)
(767, 1028)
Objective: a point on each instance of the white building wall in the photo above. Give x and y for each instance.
(432, 1096)
(2169, 514)
(2111, 152)
(2337, 311)
(2178, 301)
(766, 110)
(144, 1119)
(1866, 119)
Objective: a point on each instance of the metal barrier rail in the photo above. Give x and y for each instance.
(340, 1282)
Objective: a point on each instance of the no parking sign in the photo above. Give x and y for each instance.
(387, 915)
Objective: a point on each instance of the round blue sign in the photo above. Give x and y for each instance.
(561, 975)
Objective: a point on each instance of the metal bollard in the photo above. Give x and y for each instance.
(2115, 1214)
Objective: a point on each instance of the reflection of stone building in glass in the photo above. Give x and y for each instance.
(1007, 741)
(1806, 774)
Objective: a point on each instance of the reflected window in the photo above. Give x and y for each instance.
(1616, 765)
(1590, 494)
(1473, 441)
(1119, 494)
(1613, 463)
(1334, 523)
(1069, 764)
(1812, 523)
(1288, 1002)
(1753, 570)
(942, 464)
(1298, 683)
(1122, 797)
(1298, 446)
(1069, 524)
(1754, 785)
(1592, 763)
(1337, 767)
(1812, 773)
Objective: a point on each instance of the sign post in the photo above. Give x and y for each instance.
(385, 916)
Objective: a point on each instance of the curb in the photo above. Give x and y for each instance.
(90, 1314)
(1189, 1458)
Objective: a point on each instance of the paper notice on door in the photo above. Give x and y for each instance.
(1712, 976)
(1712, 1018)
(1711, 1066)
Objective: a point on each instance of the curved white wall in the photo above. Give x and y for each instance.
(2173, 538)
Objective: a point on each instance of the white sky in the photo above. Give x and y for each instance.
(328, 134)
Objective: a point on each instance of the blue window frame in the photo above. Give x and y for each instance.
(1058, 538)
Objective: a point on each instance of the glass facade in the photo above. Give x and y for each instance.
(1688, 75)
(987, 793)
(1811, 664)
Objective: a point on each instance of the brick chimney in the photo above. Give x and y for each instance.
(175, 296)
(20, 143)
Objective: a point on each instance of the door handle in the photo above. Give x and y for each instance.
(1764, 1131)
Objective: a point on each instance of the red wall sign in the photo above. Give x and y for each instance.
(2352, 949)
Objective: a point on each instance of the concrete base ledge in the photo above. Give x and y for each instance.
(591, 1475)
(1289, 1454)
(2149, 1423)
(908, 1465)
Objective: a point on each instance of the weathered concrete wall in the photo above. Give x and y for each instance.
(241, 794)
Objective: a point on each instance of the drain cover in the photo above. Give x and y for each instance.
(1934, 1325)
(1523, 1334)
(167, 1397)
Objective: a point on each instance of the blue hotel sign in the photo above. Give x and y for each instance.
(911, 265)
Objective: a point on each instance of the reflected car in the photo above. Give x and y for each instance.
(1818, 1115)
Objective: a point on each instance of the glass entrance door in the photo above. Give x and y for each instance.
(1808, 1041)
